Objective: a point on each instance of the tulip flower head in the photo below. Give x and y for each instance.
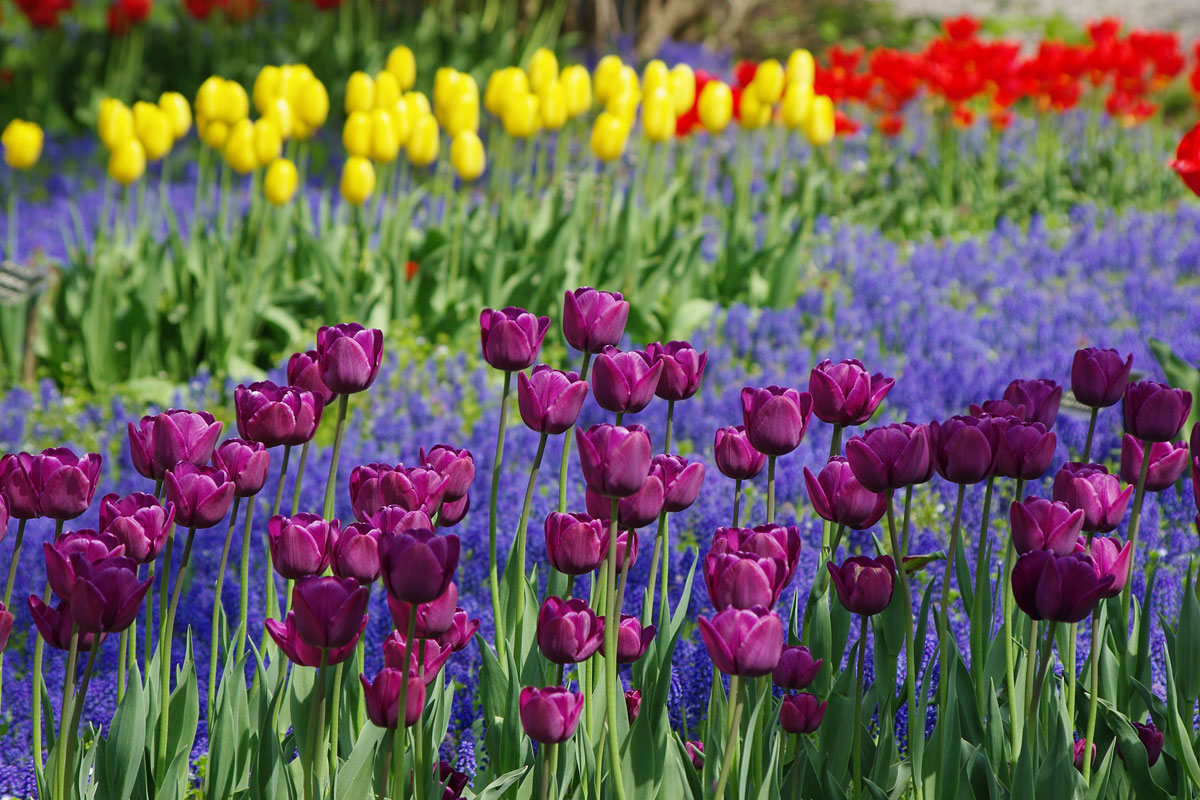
(568, 631)
(625, 382)
(56, 623)
(797, 669)
(1167, 462)
(576, 544)
(681, 480)
(550, 715)
(1154, 412)
(550, 400)
(1099, 377)
(330, 612)
(632, 639)
(775, 418)
(836, 495)
(433, 619)
(1039, 524)
(964, 448)
(355, 554)
(304, 372)
(280, 182)
(139, 522)
(287, 638)
(301, 545)
(801, 713)
(1040, 398)
(55, 483)
(349, 356)
(274, 415)
(682, 369)
(845, 393)
(417, 566)
(1112, 557)
(736, 458)
(382, 697)
(744, 642)
(1024, 449)
(1063, 588)
(864, 585)
(1090, 488)
(511, 337)
(22, 143)
(173, 437)
(202, 495)
(457, 467)
(594, 319)
(615, 460)
(635, 511)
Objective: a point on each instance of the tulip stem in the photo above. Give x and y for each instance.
(148, 645)
(402, 721)
(916, 747)
(944, 617)
(493, 521)
(316, 731)
(1087, 445)
(1093, 698)
(664, 533)
(731, 740)
(60, 770)
(856, 748)
(217, 607)
(770, 489)
(77, 707)
(39, 648)
(272, 598)
(166, 635)
(331, 481)
(737, 501)
(908, 492)
(648, 606)
(568, 439)
(244, 581)
(8, 588)
(122, 654)
(1135, 518)
(300, 477)
(981, 628)
(522, 529)
(1010, 657)
(399, 740)
(1043, 663)
(334, 721)
(612, 698)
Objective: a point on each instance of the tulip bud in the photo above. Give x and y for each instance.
(233, 104)
(349, 355)
(635, 511)
(681, 84)
(964, 448)
(127, 162)
(681, 480)
(202, 495)
(576, 544)
(153, 130)
(1167, 462)
(715, 106)
(384, 146)
(632, 639)
(625, 382)
(356, 134)
(736, 458)
(330, 612)
(313, 104)
(1063, 588)
(403, 66)
(358, 180)
(1025, 449)
(511, 337)
(115, 123)
(267, 87)
(279, 185)
(655, 75)
(419, 101)
(422, 146)
(387, 90)
(461, 113)
(891, 457)
(360, 92)
(22, 144)
(417, 566)
(550, 715)
(1099, 377)
(552, 107)
(615, 460)
(568, 631)
(768, 82)
(658, 116)
(743, 580)
(577, 88)
(819, 124)
(797, 104)
(607, 77)
(268, 141)
(213, 133)
(355, 554)
(467, 156)
(287, 638)
(520, 116)
(179, 113)
(745, 642)
(624, 106)
(608, 137)
(775, 418)
(239, 147)
(800, 69)
(801, 713)
(797, 669)
(382, 697)
(864, 585)
(1154, 412)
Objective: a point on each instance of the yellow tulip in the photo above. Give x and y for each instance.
(715, 107)
(797, 101)
(681, 83)
(280, 183)
(356, 134)
(207, 98)
(384, 145)
(401, 116)
(445, 85)
(502, 86)
(419, 101)
(239, 149)
(655, 76)
(768, 81)
(627, 81)
(461, 113)
(403, 66)
(214, 133)
(543, 69)
(292, 81)
(266, 87)
(115, 123)
(387, 90)
(303, 72)
(268, 140)
(127, 161)
(753, 113)
(658, 116)
(521, 116)
(233, 104)
(22, 143)
(313, 108)
(422, 147)
(819, 126)
(178, 112)
(624, 105)
(358, 180)
(577, 86)
(606, 78)
(153, 130)
(360, 92)
(800, 68)
(552, 106)
(467, 156)
(608, 136)
(281, 114)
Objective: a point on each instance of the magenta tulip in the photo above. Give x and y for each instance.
(745, 642)
(427, 664)
(456, 466)
(680, 478)
(183, 437)
(1112, 557)
(775, 418)
(329, 611)
(743, 580)
(550, 715)
(632, 638)
(845, 393)
(615, 459)
(304, 372)
(864, 585)
(891, 457)
(624, 382)
(964, 448)
(355, 553)
(736, 458)
(797, 669)
(1041, 399)
(635, 511)
(801, 713)
(1039, 524)
(511, 337)
(576, 544)
(275, 415)
(682, 369)
(246, 463)
(1090, 488)
(382, 698)
(1060, 588)
(695, 753)
(139, 522)
(417, 566)
(289, 641)
(1154, 412)
(550, 399)
(395, 519)
(568, 631)
(55, 624)
(1025, 449)
(593, 320)
(54, 483)
(61, 557)
(1099, 377)
(434, 619)
(349, 356)
(1167, 463)
(106, 595)
(301, 545)
(836, 495)
(764, 541)
(633, 704)
(202, 495)
(6, 624)
(462, 629)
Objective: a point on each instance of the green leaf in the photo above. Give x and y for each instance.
(125, 744)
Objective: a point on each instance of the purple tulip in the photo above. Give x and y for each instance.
(382, 698)
(695, 752)
(680, 478)
(106, 594)
(1078, 750)
(417, 566)
(736, 457)
(4, 517)
(54, 483)
(964, 448)
(434, 618)
(627, 550)
(246, 463)
(55, 624)
(593, 320)
(550, 399)
(453, 513)
(454, 781)
(1039, 524)
(797, 669)
(511, 337)
(1167, 463)
(891, 457)
(568, 631)
(139, 522)
(632, 638)
(141, 449)
(202, 495)
(745, 642)
(1151, 738)
(845, 393)
(615, 460)
(775, 418)
(1111, 557)
(1040, 398)
(764, 541)
(1000, 409)
(396, 519)
(682, 369)
(624, 382)
(304, 372)
(180, 437)
(349, 356)
(550, 715)
(462, 629)
(275, 415)
(456, 466)
(635, 511)
(836, 495)
(1098, 494)
(1154, 412)
(633, 704)
(329, 611)
(61, 555)
(428, 664)
(355, 554)
(801, 713)
(1099, 377)
(374, 486)
(1059, 588)
(576, 544)
(6, 624)
(743, 580)
(301, 545)
(1025, 449)
(287, 638)
(864, 585)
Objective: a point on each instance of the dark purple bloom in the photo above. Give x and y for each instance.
(301, 545)
(202, 495)
(593, 319)
(801, 713)
(427, 664)
(775, 418)
(964, 448)
(6, 623)
(179, 437)
(1000, 409)
(735, 456)
(434, 618)
(1040, 398)
(682, 369)
(417, 566)
(54, 483)
(139, 522)
(287, 638)
(355, 554)
(1112, 557)
(737, 579)
(397, 518)
(511, 337)
(1167, 463)
(304, 372)
(745, 642)
(1039, 524)
(55, 624)
(632, 638)
(245, 463)
(845, 393)
(797, 669)
(456, 466)
(1060, 588)
(568, 631)
(374, 486)
(1154, 412)
(864, 585)
(1152, 738)
(633, 703)
(576, 544)
(635, 511)
(891, 457)
(1099, 377)
(624, 382)
(61, 556)
(1025, 449)
(550, 715)
(329, 611)
(615, 459)
(627, 550)
(1098, 494)
(275, 415)
(765, 541)
(382, 697)
(106, 594)
(681, 480)
(349, 356)
(550, 399)
(836, 495)
(462, 629)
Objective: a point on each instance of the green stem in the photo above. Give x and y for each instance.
(244, 582)
(908, 493)
(1093, 698)
(856, 748)
(1071, 664)
(493, 521)
(299, 477)
(770, 488)
(39, 648)
(549, 753)
(944, 617)
(910, 666)
(166, 635)
(1043, 663)
(272, 599)
(523, 527)
(331, 481)
(1010, 656)
(77, 705)
(981, 628)
(731, 739)
(737, 501)
(213, 638)
(122, 656)
(613, 699)
(1135, 519)
(1087, 447)
(334, 721)
(149, 619)
(399, 737)
(60, 771)
(568, 439)
(402, 723)
(648, 606)
(316, 730)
